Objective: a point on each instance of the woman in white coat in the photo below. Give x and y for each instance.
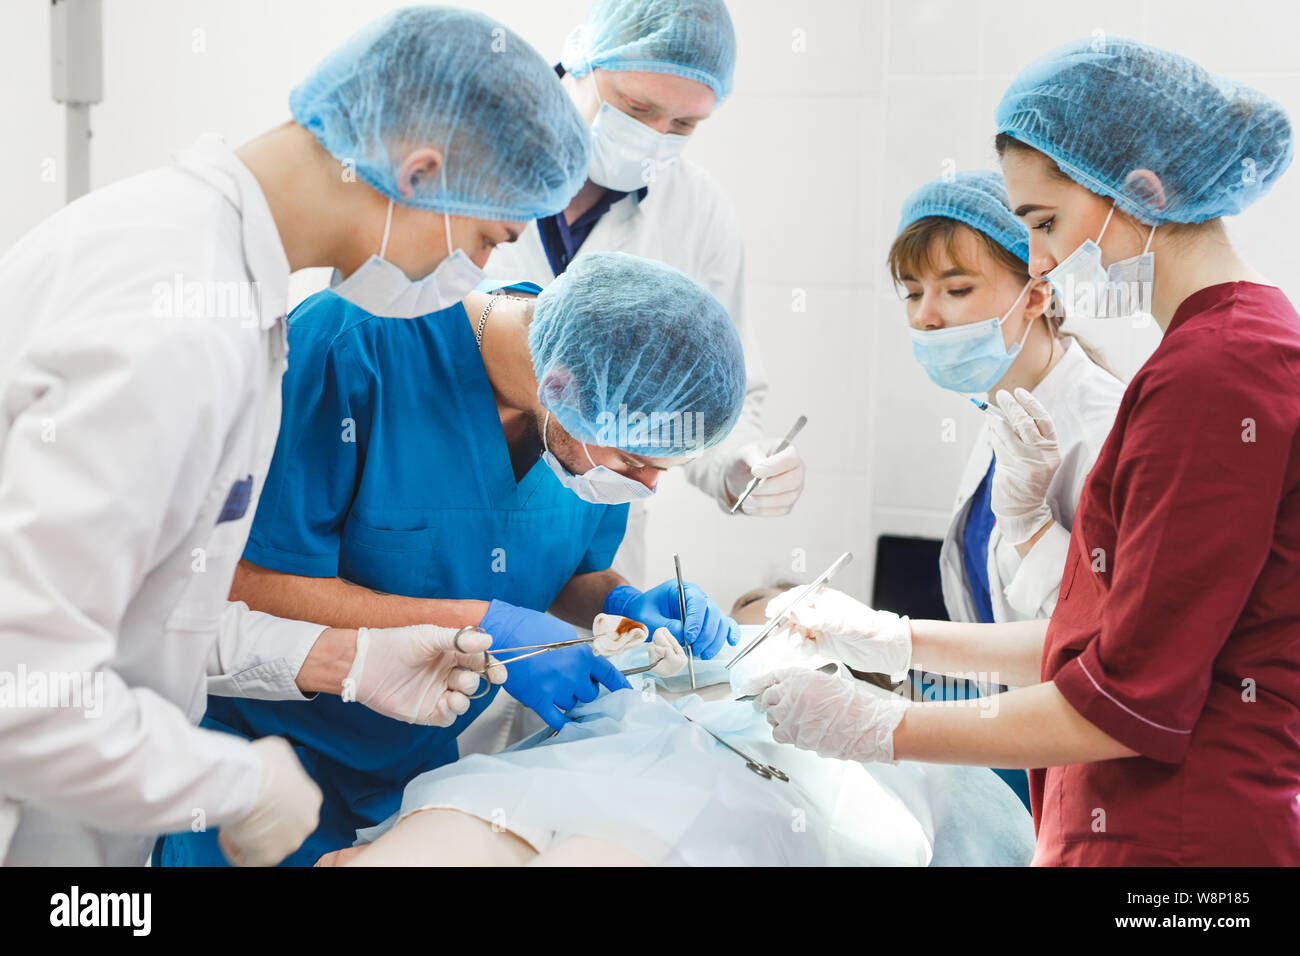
(960, 256)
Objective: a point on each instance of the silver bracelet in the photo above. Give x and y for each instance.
(482, 319)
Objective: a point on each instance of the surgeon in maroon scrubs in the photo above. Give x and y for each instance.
(1159, 709)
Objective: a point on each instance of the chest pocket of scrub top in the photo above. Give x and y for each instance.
(228, 510)
(384, 559)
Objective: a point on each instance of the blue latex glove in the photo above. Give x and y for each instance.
(553, 682)
(707, 628)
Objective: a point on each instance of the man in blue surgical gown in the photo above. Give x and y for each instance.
(472, 467)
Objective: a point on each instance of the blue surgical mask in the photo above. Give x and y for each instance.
(598, 485)
(968, 358)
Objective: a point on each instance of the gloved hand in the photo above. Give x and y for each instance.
(555, 681)
(1027, 458)
(877, 642)
(828, 714)
(415, 674)
(707, 628)
(666, 655)
(286, 812)
(784, 474)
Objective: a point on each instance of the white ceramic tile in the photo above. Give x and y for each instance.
(819, 364)
(1256, 36)
(922, 434)
(1012, 33)
(931, 125)
(797, 170)
(33, 145)
(933, 37)
(817, 47)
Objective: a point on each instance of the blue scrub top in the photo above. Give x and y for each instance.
(392, 471)
(975, 545)
(975, 554)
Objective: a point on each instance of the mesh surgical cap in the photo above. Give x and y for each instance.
(975, 197)
(632, 354)
(1104, 108)
(690, 38)
(514, 146)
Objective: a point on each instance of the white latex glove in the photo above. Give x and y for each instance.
(1027, 458)
(666, 655)
(286, 813)
(828, 714)
(877, 642)
(783, 476)
(415, 674)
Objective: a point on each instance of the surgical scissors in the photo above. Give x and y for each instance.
(491, 660)
(764, 770)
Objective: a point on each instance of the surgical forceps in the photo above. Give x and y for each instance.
(532, 649)
(831, 668)
(802, 596)
(755, 482)
(764, 770)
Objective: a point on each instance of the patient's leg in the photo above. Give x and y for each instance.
(444, 838)
(586, 851)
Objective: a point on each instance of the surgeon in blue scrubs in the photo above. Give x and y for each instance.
(473, 467)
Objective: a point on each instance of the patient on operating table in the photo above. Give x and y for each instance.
(632, 781)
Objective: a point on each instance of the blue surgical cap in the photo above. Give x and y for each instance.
(514, 146)
(975, 197)
(1104, 108)
(644, 358)
(690, 38)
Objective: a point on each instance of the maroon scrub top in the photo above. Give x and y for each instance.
(1177, 630)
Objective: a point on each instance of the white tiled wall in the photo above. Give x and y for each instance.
(841, 108)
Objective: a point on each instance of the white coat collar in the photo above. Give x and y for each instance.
(212, 161)
(1057, 383)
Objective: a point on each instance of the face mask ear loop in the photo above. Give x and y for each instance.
(1107, 222)
(1028, 325)
(388, 223)
(545, 422)
(588, 453)
(446, 221)
(1147, 247)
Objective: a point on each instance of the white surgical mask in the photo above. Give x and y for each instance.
(1089, 291)
(382, 289)
(625, 153)
(599, 485)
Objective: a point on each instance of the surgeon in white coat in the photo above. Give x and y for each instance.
(140, 366)
(644, 74)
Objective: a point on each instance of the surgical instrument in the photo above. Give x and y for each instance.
(491, 660)
(755, 482)
(829, 668)
(764, 770)
(802, 596)
(681, 604)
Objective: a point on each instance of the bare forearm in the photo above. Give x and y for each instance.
(1009, 653)
(338, 603)
(581, 599)
(1026, 728)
